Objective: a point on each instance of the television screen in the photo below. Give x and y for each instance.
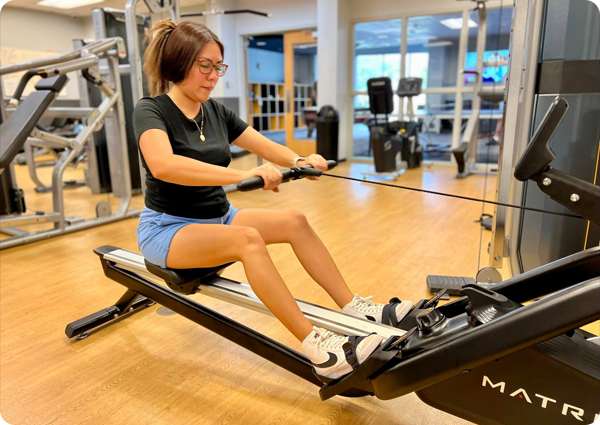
(491, 74)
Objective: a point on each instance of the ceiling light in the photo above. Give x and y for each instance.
(457, 23)
(261, 43)
(438, 44)
(68, 4)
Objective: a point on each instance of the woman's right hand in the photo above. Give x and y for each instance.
(271, 176)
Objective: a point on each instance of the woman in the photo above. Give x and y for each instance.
(187, 221)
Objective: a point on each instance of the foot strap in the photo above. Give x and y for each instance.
(388, 315)
(350, 350)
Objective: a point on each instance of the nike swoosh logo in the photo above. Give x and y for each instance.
(330, 362)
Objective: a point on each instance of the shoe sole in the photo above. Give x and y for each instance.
(405, 308)
(369, 346)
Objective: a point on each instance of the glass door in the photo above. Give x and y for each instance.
(300, 53)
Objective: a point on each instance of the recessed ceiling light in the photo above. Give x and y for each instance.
(457, 23)
(438, 44)
(68, 4)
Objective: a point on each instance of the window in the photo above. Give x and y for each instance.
(432, 49)
(376, 54)
(417, 65)
(435, 112)
(376, 51)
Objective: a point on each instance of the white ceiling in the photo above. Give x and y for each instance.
(87, 10)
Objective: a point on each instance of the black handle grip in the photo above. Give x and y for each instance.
(288, 174)
(538, 155)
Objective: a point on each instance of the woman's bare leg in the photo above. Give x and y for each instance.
(289, 226)
(208, 245)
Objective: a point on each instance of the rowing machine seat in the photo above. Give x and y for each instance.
(185, 281)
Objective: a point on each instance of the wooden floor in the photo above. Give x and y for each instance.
(155, 369)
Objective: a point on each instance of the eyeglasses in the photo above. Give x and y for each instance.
(206, 67)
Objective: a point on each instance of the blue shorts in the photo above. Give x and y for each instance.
(156, 231)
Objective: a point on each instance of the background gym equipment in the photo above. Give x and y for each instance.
(551, 54)
(64, 127)
(395, 144)
(571, 68)
(21, 124)
(111, 23)
(466, 154)
(579, 196)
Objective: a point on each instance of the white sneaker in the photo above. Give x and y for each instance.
(328, 351)
(365, 308)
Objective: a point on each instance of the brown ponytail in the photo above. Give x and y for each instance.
(172, 50)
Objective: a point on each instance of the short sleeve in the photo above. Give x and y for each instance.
(235, 125)
(146, 116)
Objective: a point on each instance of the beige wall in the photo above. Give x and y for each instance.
(43, 32)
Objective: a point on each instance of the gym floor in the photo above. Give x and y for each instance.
(156, 369)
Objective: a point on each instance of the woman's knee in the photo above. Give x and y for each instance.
(250, 241)
(297, 219)
(297, 224)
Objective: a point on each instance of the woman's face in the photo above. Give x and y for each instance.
(197, 85)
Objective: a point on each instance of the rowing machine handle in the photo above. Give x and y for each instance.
(257, 182)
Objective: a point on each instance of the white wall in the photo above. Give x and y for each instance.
(333, 46)
(228, 36)
(344, 98)
(41, 31)
(327, 47)
(286, 15)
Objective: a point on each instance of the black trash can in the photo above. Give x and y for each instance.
(328, 123)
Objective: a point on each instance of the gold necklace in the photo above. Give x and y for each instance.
(201, 127)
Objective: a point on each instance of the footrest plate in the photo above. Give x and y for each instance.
(376, 361)
(452, 284)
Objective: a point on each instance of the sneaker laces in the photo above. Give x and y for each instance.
(329, 340)
(366, 305)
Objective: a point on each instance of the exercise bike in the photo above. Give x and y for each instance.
(485, 357)
(395, 144)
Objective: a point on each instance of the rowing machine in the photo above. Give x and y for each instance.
(484, 357)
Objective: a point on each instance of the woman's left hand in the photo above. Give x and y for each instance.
(317, 161)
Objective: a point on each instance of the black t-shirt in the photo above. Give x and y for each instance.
(221, 127)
